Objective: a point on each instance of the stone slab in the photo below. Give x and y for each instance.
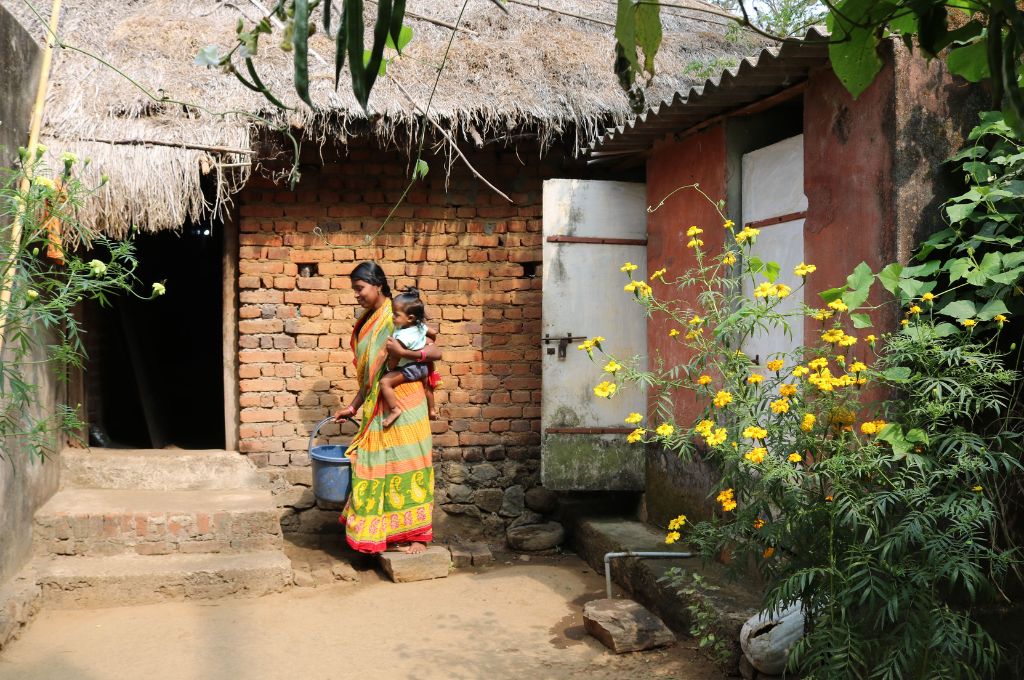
(157, 469)
(535, 537)
(403, 568)
(119, 580)
(625, 626)
(20, 601)
(470, 555)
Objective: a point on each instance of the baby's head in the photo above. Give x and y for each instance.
(408, 308)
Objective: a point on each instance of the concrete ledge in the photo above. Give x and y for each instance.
(157, 469)
(734, 602)
(20, 601)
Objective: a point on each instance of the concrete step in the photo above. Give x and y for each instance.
(85, 582)
(95, 522)
(157, 469)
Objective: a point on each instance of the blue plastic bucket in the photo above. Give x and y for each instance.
(332, 470)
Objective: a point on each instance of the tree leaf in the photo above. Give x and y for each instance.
(890, 277)
(208, 56)
(991, 308)
(421, 169)
(832, 294)
(404, 38)
(398, 35)
(380, 36)
(327, 17)
(355, 41)
(861, 277)
(648, 32)
(771, 271)
(626, 65)
(958, 268)
(897, 373)
(958, 212)
(300, 55)
(853, 48)
(861, 320)
(340, 41)
(959, 309)
(855, 298)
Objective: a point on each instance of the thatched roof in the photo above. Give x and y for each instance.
(531, 69)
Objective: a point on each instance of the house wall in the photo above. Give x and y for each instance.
(477, 260)
(26, 482)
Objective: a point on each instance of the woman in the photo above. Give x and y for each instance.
(392, 495)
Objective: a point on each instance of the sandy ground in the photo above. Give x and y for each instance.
(518, 620)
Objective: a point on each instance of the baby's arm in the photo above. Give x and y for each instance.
(431, 334)
(393, 355)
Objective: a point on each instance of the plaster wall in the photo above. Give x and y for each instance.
(25, 481)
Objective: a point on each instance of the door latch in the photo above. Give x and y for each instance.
(563, 343)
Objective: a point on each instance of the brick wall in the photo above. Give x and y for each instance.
(475, 257)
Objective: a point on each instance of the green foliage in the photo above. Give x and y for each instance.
(705, 619)
(637, 27)
(779, 17)
(711, 68)
(40, 329)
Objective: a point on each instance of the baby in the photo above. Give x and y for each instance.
(411, 333)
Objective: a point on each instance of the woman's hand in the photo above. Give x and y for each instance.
(344, 413)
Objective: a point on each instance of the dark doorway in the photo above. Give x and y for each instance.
(154, 376)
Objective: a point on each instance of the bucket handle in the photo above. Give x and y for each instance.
(316, 430)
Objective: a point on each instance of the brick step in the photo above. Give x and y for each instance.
(120, 580)
(95, 522)
(157, 469)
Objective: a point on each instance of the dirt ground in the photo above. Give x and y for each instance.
(512, 620)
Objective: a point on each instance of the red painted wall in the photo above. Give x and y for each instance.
(701, 159)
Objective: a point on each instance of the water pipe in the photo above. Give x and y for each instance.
(630, 553)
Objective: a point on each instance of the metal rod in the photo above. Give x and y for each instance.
(608, 557)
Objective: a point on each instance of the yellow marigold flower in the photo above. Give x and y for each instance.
(694, 230)
(633, 418)
(999, 319)
(746, 234)
(764, 290)
(44, 182)
(822, 315)
(717, 438)
(794, 457)
(756, 456)
(841, 360)
(780, 405)
(828, 498)
(727, 500)
(904, 322)
(587, 346)
(768, 552)
(159, 289)
(755, 432)
(838, 305)
(642, 288)
(704, 380)
(704, 427)
(758, 523)
(868, 428)
(636, 435)
(664, 430)
(606, 389)
(927, 297)
(848, 340)
(695, 321)
(658, 274)
(598, 340)
(787, 390)
(612, 367)
(832, 336)
(628, 267)
(977, 487)
(914, 309)
(729, 259)
(729, 506)
(807, 422)
(32, 294)
(969, 323)
(857, 367)
(755, 378)
(729, 224)
(630, 287)
(673, 333)
(722, 399)
(802, 270)
(801, 371)
(677, 523)
(671, 537)
(818, 364)
(694, 243)
(862, 381)
(694, 334)
(97, 267)
(782, 290)
(775, 365)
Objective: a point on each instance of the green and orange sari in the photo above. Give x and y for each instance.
(392, 496)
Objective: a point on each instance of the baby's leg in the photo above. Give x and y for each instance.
(388, 383)
(430, 398)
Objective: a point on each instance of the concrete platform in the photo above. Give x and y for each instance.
(20, 601)
(84, 582)
(157, 469)
(94, 522)
(436, 562)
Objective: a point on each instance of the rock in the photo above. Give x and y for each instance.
(456, 473)
(493, 525)
(459, 493)
(746, 670)
(541, 500)
(403, 567)
(766, 640)
(461, 509)
(343, 571)
(625, 626)
(488, 500)
(513, 502)
(481, 554)
(298, 497)
(471, 554)
(298, 475)
(536, 536)
(484, 472)
(528, 517)
(303, 579)
(462, 556)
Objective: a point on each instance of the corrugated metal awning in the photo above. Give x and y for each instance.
(773, 70)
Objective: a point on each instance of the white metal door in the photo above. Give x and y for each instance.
(773, 192)
(590, 229)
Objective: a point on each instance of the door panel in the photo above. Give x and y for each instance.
(583, 298)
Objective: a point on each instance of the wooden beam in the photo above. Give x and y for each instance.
(598, 241)
(769, 221)
(229, 330)
(175, 145)
(588, 430)
(747, 110)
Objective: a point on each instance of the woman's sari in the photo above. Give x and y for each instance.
(392, 495)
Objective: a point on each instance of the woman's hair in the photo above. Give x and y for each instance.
(371, 273)
(409, 300)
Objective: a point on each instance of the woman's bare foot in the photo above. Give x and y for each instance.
(433, 415)
(416, 548)
(392, 417)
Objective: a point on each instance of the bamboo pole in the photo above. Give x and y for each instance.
(26, 181)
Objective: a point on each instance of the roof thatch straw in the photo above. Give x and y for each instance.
(532, 69)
